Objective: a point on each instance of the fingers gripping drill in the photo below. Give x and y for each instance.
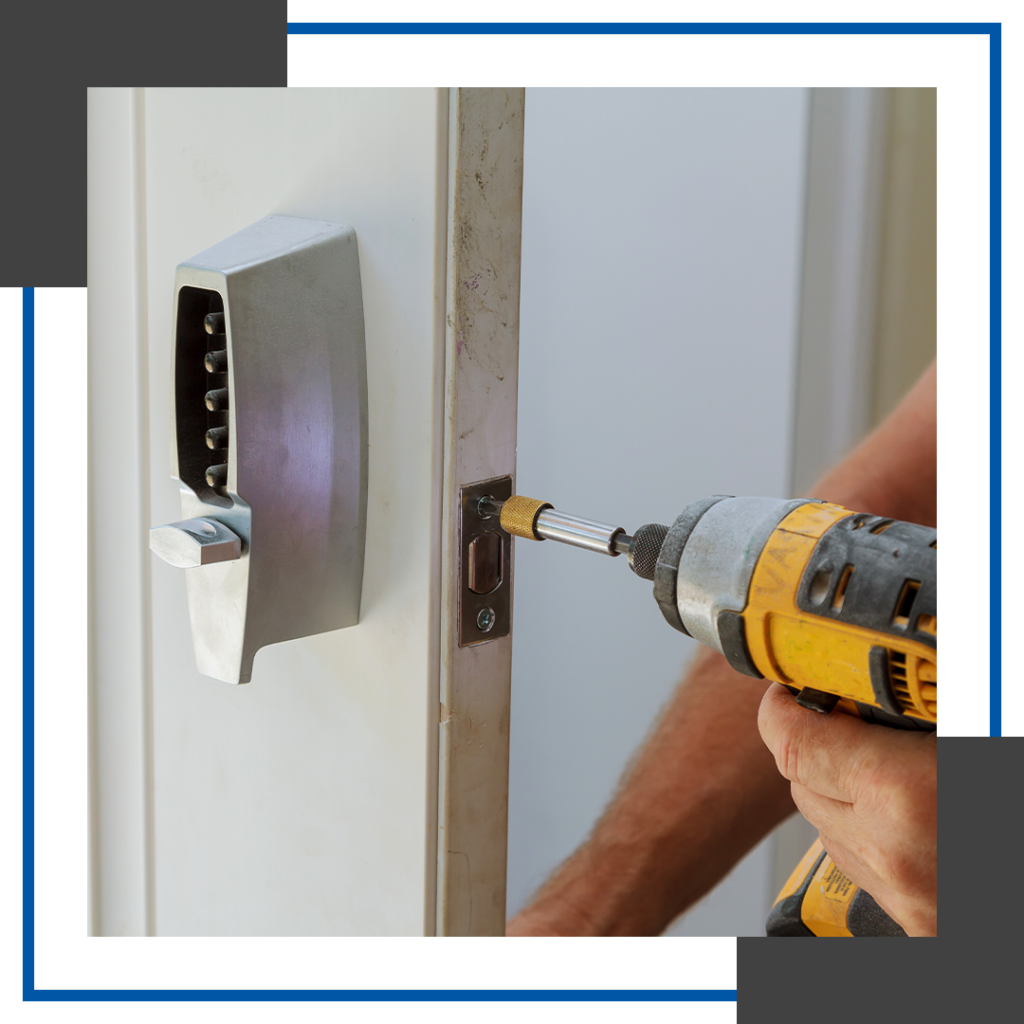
(838, 606)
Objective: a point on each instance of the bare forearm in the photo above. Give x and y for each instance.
(702, 791)
(893, 471)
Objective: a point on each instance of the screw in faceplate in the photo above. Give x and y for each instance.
(485, 620)
(488, 506)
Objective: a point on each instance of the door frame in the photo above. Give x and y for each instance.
(481, 393)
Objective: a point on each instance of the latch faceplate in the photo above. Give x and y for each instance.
(485, 565)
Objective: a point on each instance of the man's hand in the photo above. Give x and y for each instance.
(870, 792)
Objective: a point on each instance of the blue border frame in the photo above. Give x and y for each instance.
(995, 431)
(634, 28)
(993, 30)
(28, 638)
(453, 995)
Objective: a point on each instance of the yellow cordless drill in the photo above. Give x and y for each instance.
(838, 606)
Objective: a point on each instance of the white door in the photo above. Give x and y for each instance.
(358, 784)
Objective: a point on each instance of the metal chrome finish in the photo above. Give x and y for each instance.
(568, 529)
(484, 562)
(284, 302)
(645, 548)
(666, 568)
(719, 558)
(485, 565)
(195, 542)
(581, 533)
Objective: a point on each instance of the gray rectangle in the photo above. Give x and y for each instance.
(974, 960)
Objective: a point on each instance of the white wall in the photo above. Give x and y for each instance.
(662, 234)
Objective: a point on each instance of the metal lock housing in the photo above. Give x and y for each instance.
(268, 439)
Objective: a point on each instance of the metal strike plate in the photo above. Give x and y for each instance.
(485, 566)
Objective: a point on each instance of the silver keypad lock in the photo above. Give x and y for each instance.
(268, 439)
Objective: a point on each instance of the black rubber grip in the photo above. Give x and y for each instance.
(784, 920)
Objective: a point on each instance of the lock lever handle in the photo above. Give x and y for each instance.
(194, 542)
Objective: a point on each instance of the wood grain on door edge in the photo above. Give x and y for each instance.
(485, 189)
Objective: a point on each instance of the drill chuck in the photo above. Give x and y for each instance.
(644, 547)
